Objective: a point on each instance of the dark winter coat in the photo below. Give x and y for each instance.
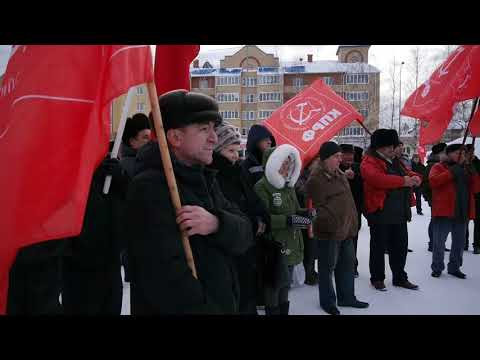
(356, 186)
(100, 241)
(127, 159)
(161, 281)
(331, 196)
(426, 188)
(252, 166)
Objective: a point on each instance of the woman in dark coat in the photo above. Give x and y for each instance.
(236, 189)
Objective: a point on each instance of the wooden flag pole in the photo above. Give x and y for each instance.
(168, 169)
(475, 103)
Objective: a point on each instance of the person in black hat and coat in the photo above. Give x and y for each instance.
(352, 172)
(437, 155)
(259, 139)
(236, 189)
(387, 191)
(136, 134)
(161, 281)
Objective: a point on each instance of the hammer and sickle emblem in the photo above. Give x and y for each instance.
(302, 120)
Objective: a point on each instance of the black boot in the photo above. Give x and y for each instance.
(270, 310)
(284, 307)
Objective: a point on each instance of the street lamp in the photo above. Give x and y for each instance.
(400, 99)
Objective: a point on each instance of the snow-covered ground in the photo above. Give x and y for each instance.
(446, 295)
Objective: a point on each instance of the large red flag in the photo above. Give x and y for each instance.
(475, 123)
(311, 118)
(431, 132)
(172, 66)
(457, 79)
(53, 134)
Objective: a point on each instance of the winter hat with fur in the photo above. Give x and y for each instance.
(227, 135)
(274, 158)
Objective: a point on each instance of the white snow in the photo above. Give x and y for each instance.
(446, 295)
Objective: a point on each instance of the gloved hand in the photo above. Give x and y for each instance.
(312, 214)
(298, 222)
(111, 166)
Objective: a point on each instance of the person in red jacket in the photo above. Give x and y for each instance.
(387, 189)
(453, 205)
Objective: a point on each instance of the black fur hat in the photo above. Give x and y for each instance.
(347, 148)
(438, 148)
(453, 147)
(384, 137)
(134, 125)
(181, 108)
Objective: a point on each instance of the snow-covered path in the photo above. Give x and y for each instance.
(446, 295)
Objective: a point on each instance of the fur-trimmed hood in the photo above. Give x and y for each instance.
(273, 160)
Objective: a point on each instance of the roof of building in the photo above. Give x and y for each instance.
(316, 67)
(350, 46)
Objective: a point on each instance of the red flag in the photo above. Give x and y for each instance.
(311, 118)
(53, 135)
(172, 66)
(457, 79)
(475, 123)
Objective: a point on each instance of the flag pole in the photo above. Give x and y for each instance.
(366, 129)
(475, 103)
(118, 138)
(168, 169)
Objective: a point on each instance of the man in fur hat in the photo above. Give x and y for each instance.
(387, 190)
(161, 280)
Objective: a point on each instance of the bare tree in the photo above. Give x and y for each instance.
(393, 84)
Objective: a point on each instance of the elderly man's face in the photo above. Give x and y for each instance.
(347, 159)
(194, 143)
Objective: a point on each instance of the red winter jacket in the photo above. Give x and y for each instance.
(444, 193)
(376, 182)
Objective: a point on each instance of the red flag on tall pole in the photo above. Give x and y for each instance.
(457, 79)
(53, 134)
(311, 118)
(172, 66)
(475, 123)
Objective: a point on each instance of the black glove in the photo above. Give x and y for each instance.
(298, 222)
(111, 166)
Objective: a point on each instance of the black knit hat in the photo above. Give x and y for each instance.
(134, 125)
(438, 148)
(453, 147)
(347, 148)
(328, 149)
(181, 108)
(384, 137)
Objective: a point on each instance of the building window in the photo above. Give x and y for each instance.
(140, 107)
(250, 98)
(328, 80)
(352, 131)
(228, 97)
(264, 114)
(268, 79)
(270, 97)
(248, 115)
(228, 115)
(363, 112)
(203, 84)
(227, 80)
(140, 90)
(356, 78)
(249, 81)
(356, 95)
(298, 82)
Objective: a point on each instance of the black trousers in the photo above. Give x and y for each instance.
(92, 291)
(34, 289)
(418, 198)
(247, 279)
(394, 238)
(335, 258)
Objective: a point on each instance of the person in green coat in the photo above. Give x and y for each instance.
(277, 191)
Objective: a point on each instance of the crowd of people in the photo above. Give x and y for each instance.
(250, 222)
